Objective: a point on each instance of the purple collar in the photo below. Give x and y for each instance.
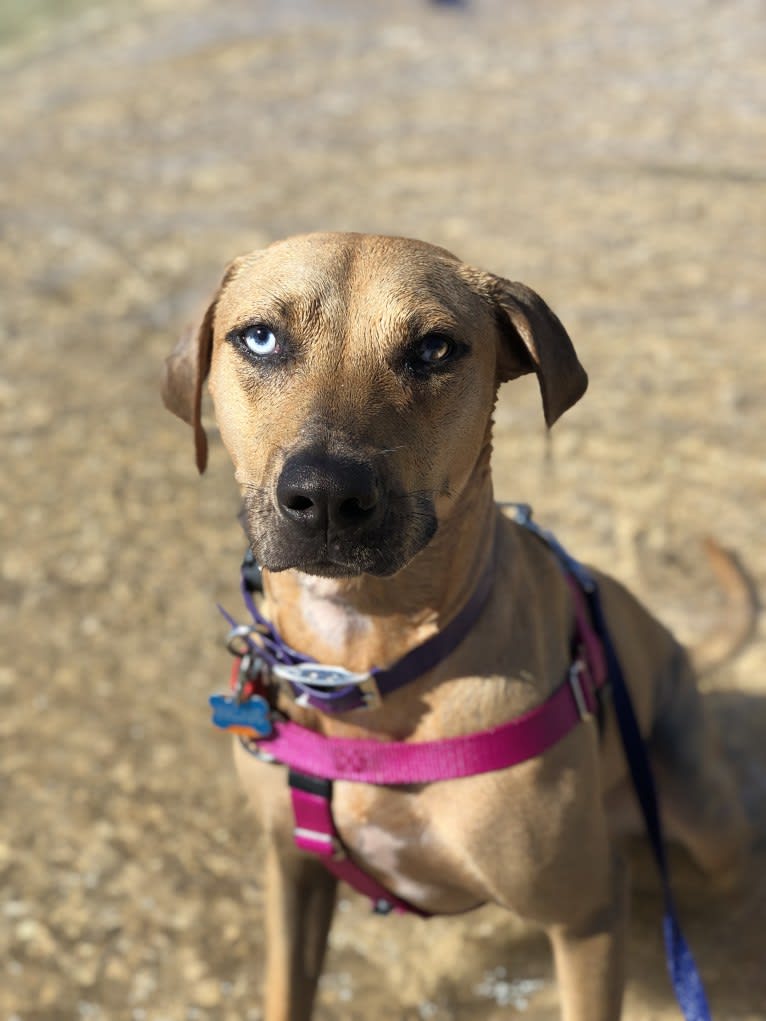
(334, 689)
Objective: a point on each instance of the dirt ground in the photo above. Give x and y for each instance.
(609, 155)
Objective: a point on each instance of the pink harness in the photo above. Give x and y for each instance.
(315, 761)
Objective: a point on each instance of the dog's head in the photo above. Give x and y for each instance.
(353, 379)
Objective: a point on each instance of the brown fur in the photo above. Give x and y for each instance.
(534, 838)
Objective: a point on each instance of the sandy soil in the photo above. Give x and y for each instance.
(611, 156)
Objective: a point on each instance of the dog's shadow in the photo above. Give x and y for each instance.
(727, 932)
(487, 965)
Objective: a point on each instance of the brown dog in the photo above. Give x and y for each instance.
(354, 380)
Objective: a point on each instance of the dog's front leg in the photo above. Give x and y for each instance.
(300, 897)
(590, 955)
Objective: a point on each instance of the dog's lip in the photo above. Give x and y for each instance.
(327, 569)
(324, 563)
(312, 561)
(329, 564)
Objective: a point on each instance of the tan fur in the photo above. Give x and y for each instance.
(534, 838)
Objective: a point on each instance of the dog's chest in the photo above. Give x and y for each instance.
(398, 837)
(334, 626)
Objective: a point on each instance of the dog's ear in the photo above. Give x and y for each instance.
(533, 340)
(186, 369)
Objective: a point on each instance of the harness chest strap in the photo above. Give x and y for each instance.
(315, 761)
(405, 762)
(315, 833)
(400, 762)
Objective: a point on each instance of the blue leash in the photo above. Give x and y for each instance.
(684, 976)
(687, 983)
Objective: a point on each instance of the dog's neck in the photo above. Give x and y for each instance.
(368, 621)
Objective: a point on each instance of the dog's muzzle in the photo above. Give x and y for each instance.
(336, 515)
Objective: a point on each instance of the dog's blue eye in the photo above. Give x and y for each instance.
(259, 340)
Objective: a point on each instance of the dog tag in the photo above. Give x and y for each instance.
(249, 718)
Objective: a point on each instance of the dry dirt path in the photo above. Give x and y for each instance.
(611, 156)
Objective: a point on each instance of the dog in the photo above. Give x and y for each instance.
(354, 379)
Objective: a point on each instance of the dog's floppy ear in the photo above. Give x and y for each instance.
(534, 341)
(186, 369)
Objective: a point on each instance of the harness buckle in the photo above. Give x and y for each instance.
(578, 672)
(302, 680)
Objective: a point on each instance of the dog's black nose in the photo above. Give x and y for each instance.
(319, 492)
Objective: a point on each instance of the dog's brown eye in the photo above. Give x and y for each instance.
(431, 354)
(435, 348)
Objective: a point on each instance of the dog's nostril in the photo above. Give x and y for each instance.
(353, 507)
(299, 502)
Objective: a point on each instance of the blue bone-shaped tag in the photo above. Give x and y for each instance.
(252, 716)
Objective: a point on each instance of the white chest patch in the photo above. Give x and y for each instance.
(337, 626)
(379, 846)
(384, 851)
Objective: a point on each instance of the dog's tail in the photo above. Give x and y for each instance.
(740, 612)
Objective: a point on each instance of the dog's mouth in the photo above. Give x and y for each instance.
(333, 513)
(332, 569)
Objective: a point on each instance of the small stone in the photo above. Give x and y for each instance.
(36, 936)
(207, 993)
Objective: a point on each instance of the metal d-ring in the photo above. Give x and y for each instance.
(238, 640)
